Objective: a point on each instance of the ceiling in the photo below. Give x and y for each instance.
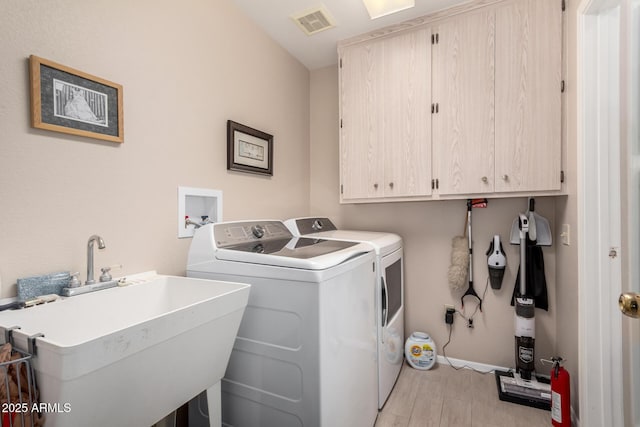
(351, 19)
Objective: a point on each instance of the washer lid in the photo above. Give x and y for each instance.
(270, 243)
(296, 247)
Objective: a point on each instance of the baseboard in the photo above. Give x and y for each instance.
(459, 363)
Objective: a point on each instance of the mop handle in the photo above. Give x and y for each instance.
(524, 229)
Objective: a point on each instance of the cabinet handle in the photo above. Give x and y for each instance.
(391, 184)
(485, 179)
(505, 177)
(375, 185)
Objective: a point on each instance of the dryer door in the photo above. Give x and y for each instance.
(391, 323)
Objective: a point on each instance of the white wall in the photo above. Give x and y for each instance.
(186, 67)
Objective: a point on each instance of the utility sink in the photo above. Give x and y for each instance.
(130, 355)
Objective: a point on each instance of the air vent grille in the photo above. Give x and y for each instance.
(314, 21)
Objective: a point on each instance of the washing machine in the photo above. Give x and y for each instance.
(389, 291)
(305, 354)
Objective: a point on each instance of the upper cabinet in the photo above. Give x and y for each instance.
(454, 106)
(385, 131)
(463, 95)
(528, 96)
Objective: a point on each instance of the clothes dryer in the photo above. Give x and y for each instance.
(389, 291)
(305, 354)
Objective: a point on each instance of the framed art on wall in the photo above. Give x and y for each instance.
(248, 149)
(71, 101)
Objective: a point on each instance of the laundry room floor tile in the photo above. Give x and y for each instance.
(445, 397)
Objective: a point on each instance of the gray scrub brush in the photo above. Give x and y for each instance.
(459, 267)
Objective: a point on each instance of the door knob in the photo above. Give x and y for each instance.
(629, 303)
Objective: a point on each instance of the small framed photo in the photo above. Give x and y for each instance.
(71, 101)
(248, 149)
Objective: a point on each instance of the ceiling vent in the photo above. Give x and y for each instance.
(314, 20)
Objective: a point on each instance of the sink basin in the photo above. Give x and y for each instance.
(129, 355)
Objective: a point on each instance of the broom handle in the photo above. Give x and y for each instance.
(523, 254)
(470, 242)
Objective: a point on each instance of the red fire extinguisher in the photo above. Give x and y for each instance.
(560, 395)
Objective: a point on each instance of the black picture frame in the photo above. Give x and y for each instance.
(248, 149)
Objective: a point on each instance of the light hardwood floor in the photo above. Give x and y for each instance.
(444, 397)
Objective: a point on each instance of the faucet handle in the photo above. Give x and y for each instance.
(74, 282)
(106, 275)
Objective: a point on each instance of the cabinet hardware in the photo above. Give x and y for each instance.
(341, 189)
(485, 179)
(437, 183)
(505, 177)
(561, 177)
(437, 108)
(340, 62)
(340, 123)
(433, 184)
(564, 5)
(437, 38)
(375, 185)
(433, 39)
(433, 108)
(391, 185)
(562, 86)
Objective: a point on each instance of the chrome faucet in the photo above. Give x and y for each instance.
(101, 245)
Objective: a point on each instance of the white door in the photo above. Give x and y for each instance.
(609, 97)
(631, 178)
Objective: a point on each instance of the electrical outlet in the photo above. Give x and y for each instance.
(449, 313)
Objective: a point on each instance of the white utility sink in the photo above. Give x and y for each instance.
(128, 356)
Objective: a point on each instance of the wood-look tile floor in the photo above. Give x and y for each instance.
(445, 397)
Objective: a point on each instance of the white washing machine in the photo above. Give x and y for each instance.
(305, 354)
(389, 292)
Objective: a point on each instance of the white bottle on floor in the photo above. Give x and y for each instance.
(420, 351)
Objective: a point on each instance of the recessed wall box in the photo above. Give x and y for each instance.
(198, 204)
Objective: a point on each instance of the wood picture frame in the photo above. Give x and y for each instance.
(248, 149)
(70, 101)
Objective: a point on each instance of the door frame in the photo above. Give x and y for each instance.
(601, 391)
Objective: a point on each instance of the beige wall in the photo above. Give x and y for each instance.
(186, 68)
(427, 229)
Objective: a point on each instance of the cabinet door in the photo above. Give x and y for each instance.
(361, 129)
(407, 115)
(463, 96)
(528, 99)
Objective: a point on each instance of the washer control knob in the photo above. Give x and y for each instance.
(317, 225)
(257, 230)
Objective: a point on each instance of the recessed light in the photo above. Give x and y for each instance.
(378, 8)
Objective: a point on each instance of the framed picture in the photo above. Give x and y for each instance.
(70, 101)
(248, 149)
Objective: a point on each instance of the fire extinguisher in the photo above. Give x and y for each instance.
(560, 395)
